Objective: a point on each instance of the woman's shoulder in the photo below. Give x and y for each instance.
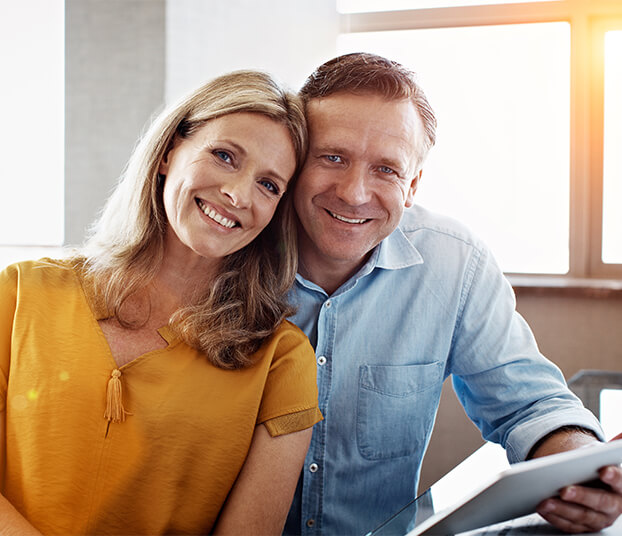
(288, 348)
(287, 328)
(287, 335)
(40, 273)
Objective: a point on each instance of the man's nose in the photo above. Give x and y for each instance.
(352, 187)
(238, 190)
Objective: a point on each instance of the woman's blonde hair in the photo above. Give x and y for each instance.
(247, 301)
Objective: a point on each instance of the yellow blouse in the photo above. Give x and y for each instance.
(169, 466)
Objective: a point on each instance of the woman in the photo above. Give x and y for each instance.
(150, 383)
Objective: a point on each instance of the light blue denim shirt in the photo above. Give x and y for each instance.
(431, 302)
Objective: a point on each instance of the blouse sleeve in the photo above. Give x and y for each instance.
(290, 398)
(8, 300)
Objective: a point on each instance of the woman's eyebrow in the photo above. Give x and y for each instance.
(212, 143)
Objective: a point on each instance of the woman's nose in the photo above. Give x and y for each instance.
(238, 190)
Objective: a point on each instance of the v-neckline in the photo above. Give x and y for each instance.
(98, 313)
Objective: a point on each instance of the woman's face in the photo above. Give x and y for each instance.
(223, 184)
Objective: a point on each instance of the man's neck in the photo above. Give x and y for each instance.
(329, 274)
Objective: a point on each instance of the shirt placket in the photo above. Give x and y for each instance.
(314, 469)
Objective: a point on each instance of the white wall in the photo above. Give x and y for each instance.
(288, 38)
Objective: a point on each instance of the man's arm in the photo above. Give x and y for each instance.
(580, 508)
(262, 494)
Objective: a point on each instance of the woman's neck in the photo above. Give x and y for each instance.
(178, 281)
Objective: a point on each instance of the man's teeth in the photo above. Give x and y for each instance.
(211, 213)
(347, 220)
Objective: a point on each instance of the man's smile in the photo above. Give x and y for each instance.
(347, 220)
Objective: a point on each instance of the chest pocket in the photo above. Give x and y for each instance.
(396, 408)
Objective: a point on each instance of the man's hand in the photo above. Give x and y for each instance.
(579, 508)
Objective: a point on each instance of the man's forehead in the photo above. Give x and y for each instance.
(360, 120)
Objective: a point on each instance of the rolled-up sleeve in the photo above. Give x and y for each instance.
(508, 388)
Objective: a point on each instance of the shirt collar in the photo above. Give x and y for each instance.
(396, 252)
(393, 253)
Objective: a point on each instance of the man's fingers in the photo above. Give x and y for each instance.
(571, 516)
(601, 501)
(612, 475)
(564, 524)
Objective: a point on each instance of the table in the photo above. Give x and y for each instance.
(536, 526)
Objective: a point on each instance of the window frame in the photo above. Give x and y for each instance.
(588, 23)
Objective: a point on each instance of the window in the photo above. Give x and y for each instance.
(610, 418)
(354, 6)
(612, 156)
(32, 141)
(526, 150)
(501, 96)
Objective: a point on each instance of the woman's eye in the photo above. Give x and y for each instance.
(333, 158)
(270, 186)
(224, 156)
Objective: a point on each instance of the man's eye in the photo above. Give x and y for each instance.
(386, 170)
(333, 158)
(224, 156)
(270, 186)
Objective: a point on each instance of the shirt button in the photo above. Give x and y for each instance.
(327, 303)
(313, 467)
(321, 360)
(310, 522)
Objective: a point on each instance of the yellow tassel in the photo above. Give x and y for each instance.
(115, 412)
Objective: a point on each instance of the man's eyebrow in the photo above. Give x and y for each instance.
(396, 165)
(329, 148)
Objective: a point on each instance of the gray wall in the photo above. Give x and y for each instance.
(115, 78)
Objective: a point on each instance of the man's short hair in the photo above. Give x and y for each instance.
(364, 73)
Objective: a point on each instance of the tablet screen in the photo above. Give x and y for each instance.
(451, 489)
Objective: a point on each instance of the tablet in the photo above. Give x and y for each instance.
(512, 493)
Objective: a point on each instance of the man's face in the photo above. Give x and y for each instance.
(361, 171)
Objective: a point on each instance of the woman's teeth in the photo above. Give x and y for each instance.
(218, 218)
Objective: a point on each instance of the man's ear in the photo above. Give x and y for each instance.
(410, 194)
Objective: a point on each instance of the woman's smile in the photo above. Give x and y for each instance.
(216, 216)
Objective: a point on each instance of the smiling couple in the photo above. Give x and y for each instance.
(152, 385)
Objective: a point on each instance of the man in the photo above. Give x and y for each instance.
(394, 302)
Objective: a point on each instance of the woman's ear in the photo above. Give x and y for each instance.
(163, 168)
(164, 163)
(410, 194)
